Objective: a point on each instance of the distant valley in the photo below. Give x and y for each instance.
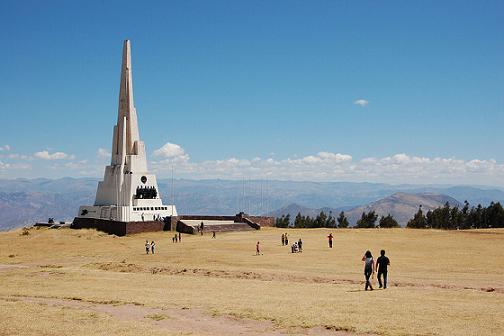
(24, 201)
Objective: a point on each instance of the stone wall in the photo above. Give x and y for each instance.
(235, 218)
(119, 228)
(262, 220)
(170, 224)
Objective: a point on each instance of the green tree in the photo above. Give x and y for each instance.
(388, 222)
(465, 216)
(310, 222)
(320, 221)
(331, 221)
(299, 221)
(418, 221)
(367, 220)
(495, 215)
(342, 220)
(283, 221)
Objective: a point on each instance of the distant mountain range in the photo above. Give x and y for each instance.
(402, 206)
(24, 201)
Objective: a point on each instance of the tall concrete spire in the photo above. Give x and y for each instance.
(128, 192)
(126, 111)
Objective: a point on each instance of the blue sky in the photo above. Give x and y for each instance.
(259, 88)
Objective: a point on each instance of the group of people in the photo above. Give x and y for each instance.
(146, 193)
(177, 238)
(285, 239)
(154, 217)
(370, 267)
(296, 247)
(149, 247)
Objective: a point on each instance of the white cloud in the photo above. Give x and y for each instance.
(45, 155)
(327, 166)
(361, 102)
(75, 165)
(19, 156)
(102, 153)
(14, 166)
(335, 157)
(5, 148)
(171, 151)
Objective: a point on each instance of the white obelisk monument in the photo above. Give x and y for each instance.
(128, 193)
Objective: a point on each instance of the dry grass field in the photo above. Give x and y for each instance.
(69, 282)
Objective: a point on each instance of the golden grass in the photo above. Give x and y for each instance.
(440, 283)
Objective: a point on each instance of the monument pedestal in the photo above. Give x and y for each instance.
(121, 228)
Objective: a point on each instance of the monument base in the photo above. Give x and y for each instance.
(120, 228)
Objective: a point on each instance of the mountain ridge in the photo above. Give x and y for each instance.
(24, 201)
(402, 206)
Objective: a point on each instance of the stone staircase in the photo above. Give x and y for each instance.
(190, 227)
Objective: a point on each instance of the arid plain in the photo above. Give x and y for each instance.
(83, 282)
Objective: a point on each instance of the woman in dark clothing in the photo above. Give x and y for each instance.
(369, 268)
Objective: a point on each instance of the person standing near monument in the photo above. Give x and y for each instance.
(381, 268)
(330, 239)
(369, 268)
(152, 245)
(147, 247)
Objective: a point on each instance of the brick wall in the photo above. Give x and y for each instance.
(147, 226)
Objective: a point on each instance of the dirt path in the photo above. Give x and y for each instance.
(8, 267)
(185, 320)
(231, 274)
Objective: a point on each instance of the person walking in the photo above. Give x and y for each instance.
(283, 239)
(381, 269)
(201, 228)
(147, 247)
(330, 238)
(176, 238)
(258, 249)
(286, 240)
(180, 237)
(369, 268)
(152, 245)
(213, 234)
